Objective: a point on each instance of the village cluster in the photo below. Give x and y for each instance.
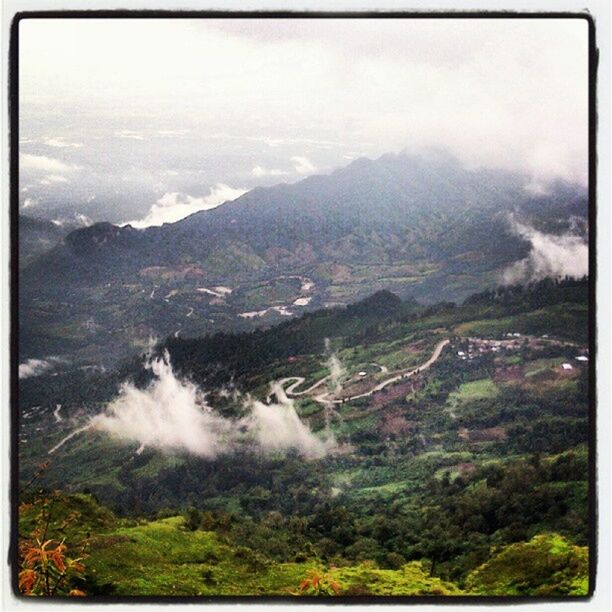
(514, 341)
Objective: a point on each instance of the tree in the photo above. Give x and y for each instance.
(193, 518)
(546, 565)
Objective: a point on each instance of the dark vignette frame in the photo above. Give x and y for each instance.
(593, 60)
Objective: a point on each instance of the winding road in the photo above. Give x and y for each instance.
(324, 398)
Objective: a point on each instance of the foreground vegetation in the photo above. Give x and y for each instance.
(169, 557)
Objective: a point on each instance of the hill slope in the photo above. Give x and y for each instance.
(421, 226)
(463, 469)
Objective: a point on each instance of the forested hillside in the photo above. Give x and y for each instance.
(446, 454)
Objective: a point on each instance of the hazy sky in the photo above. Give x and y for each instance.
(150, 120)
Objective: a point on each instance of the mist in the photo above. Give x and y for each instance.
(35, 367)
(277, 426)
(551, 255)
(336, 373)
(176, 111)
(172, 415)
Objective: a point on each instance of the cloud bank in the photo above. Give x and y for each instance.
(221, 97)
(551, 255)
(172, 415)
(174, 206)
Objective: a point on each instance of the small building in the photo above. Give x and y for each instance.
(567, 366)
(362, 373)
(460, 353)
(582, 358)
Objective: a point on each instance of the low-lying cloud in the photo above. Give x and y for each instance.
(51, 179)
(260, 171)
(173, 415)
(303, 165)
(131, 134)
(35, 367)
(61, 143)
(277, 426)
(42, 163)
(174, 206)
(551, 255)
(77, 219)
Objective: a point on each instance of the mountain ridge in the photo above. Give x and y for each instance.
(420, 226)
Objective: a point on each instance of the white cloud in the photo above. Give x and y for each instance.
(29, 202)
(170, 415)
(550, 255)
(42, 163)
(82, 219)
(172, 132)
(53, 178)
(272, 142)
(303, 165)
(78, 218)
(173, 415)
(259, 171)
(60, 143)
(278, 427)
(174, 206)
(131, 134)
(35, 367)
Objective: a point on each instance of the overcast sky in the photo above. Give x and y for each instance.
(149, 120)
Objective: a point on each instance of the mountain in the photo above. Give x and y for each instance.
(36, 236)
(422, 226)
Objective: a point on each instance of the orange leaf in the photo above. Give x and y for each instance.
(27, 578)
(32, 555)
(58, 560)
